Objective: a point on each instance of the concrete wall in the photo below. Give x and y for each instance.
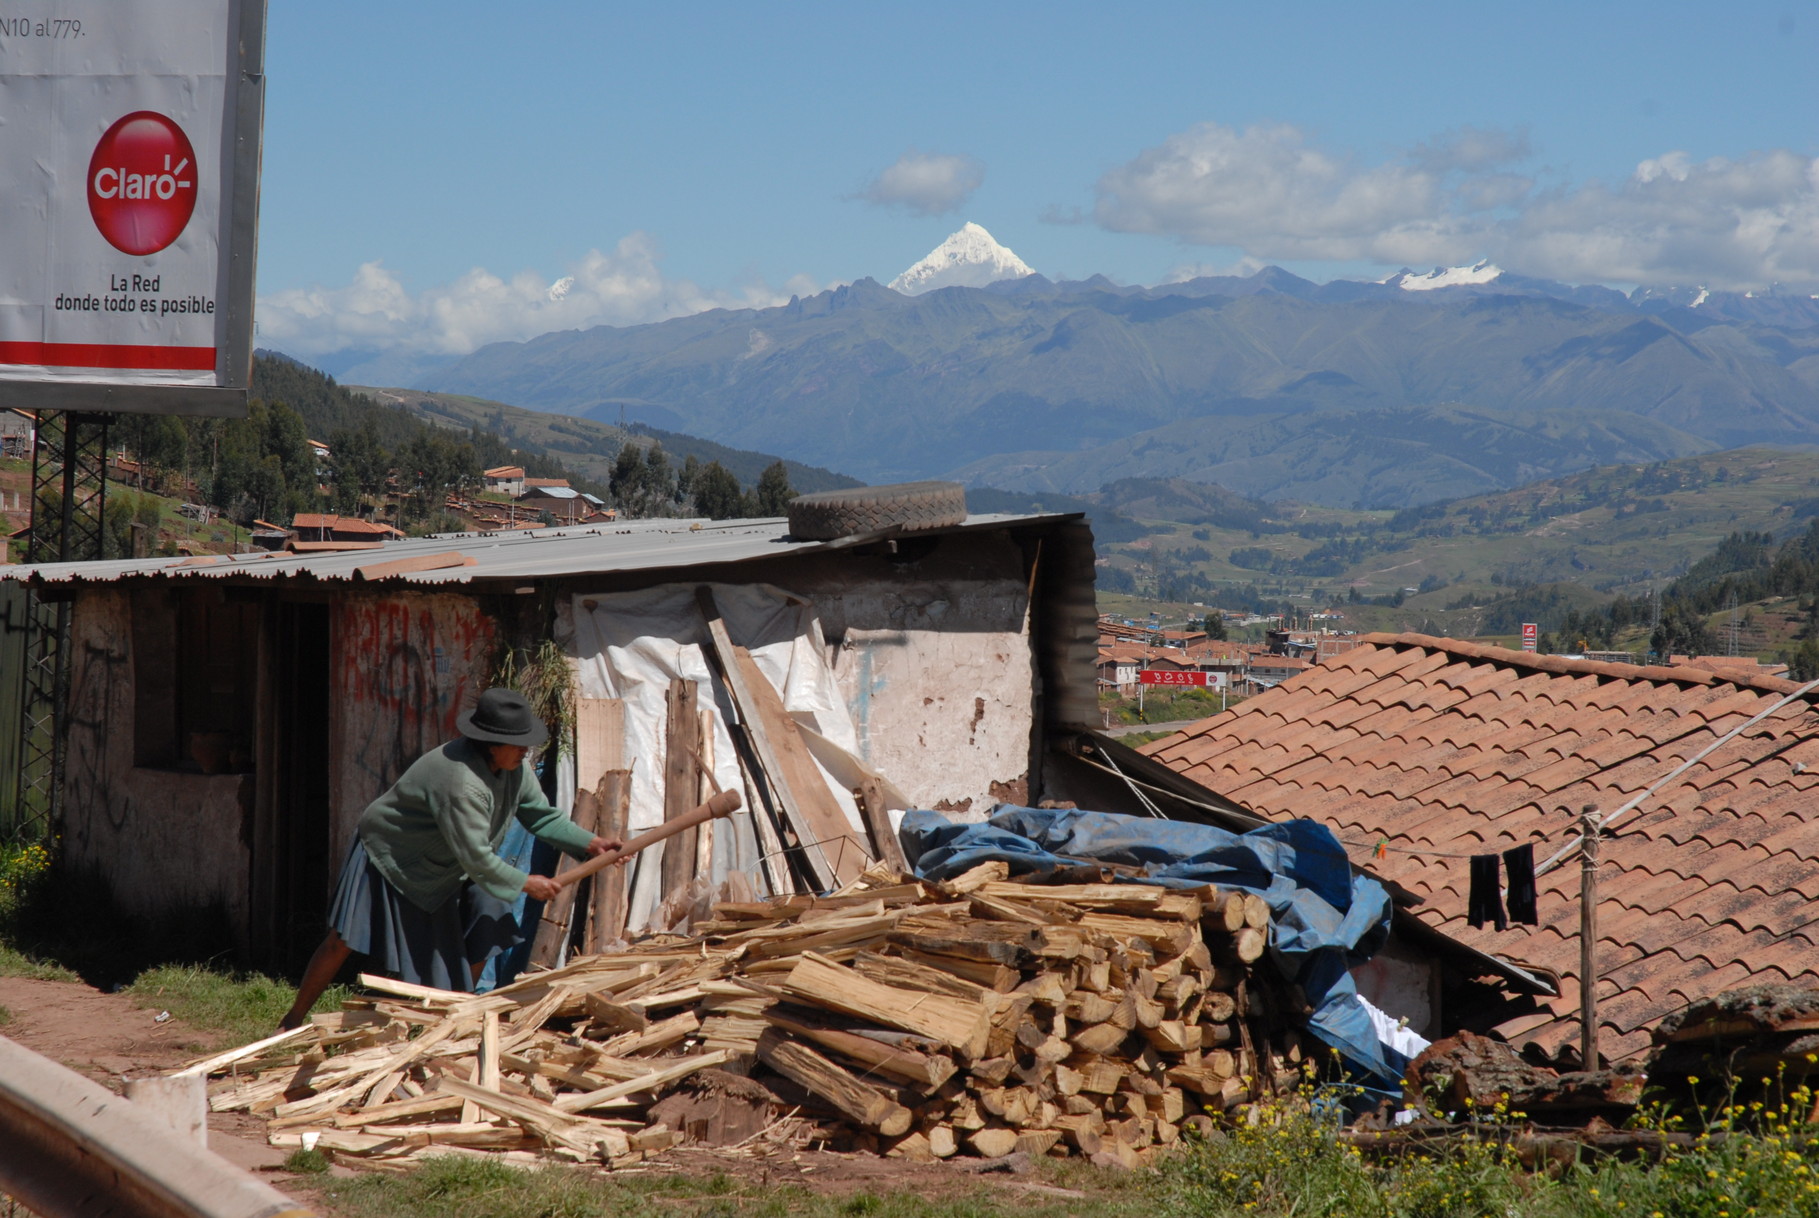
(936, 666)
(1403, 982)
(402, 669)
(165, 840)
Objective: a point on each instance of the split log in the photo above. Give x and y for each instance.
(954, 1022)
(928, 1070)
(856, 1100)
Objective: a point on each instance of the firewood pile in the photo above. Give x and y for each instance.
(974, 1017)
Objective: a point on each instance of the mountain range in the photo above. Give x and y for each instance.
(1413, 389)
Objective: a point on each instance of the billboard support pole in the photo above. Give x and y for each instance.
(77, 476)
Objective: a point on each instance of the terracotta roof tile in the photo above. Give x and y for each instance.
(1446, 748)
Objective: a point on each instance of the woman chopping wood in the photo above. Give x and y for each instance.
(424, 893)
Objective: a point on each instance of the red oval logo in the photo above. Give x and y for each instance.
(142, 183)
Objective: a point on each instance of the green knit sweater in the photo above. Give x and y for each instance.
(444, 818)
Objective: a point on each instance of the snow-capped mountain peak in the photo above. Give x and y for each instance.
(1483, 271)
(969, 258)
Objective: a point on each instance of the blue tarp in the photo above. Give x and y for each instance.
(1323, 918)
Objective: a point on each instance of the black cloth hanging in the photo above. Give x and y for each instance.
(1520, 862)
(1485, 902)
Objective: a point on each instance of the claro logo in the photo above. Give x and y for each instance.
(142, 183)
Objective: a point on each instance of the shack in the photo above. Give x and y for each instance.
(229, 717)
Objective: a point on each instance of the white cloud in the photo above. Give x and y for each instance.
(1243, 268)
(375, 312)
(1272, 193)
(926, 183)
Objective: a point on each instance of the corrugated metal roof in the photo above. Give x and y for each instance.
(632, 545)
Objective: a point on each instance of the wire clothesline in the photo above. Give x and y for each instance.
(1379, 848)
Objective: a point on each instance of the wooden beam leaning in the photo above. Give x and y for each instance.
(681, 783)
(829, 845)
(872, 806)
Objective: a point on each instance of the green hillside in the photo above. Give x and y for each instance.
(588, 447)
(1480, 565)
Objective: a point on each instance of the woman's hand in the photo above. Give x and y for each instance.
(541, 888)
(600, 845)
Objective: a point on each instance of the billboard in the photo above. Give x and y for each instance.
(129, 199)
(1168, 676)
(1531, 636)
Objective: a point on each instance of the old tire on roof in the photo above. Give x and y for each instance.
(867, 509)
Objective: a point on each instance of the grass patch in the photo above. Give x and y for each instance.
(306, 1162)
(15, 963)
(233, 1009)
(475, 1188)
(1754, 1160)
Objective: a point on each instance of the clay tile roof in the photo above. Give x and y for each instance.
(1444, 749)
(351, 525)
(314, 520)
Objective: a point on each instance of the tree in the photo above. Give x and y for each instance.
(1680, 632)
(717, 493)
(1214, 625)
(359, 466)
(774, 491)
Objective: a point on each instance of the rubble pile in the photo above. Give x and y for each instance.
(975, 1017)
(1752, 1043)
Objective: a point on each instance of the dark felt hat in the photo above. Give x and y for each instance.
(503, 717)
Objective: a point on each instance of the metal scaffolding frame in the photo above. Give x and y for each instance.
(69, 503)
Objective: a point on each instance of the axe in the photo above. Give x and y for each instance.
(721, 805)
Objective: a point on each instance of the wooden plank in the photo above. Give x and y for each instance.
(856, 1100)
(874, 811)
(209, 1065)
(681, 784)
(829, 845)
(599, 737)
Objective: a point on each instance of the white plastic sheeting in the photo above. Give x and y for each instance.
(630, 645)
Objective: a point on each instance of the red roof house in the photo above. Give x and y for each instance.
(1440, 750)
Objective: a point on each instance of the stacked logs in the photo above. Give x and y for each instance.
(974, 1017)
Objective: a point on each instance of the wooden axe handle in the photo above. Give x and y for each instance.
(723, 804)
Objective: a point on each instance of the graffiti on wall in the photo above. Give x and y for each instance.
(99, 704)
(404, 668)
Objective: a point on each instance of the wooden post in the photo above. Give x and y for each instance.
(608, 923)
(681, 784)
(600, 759)
(1588, 936)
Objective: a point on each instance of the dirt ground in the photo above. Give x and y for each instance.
(108, 1038)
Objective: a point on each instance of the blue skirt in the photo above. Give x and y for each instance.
(438, 948)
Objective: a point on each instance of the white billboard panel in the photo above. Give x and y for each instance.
(129, 156)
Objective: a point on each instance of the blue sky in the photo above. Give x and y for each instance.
(431, 169)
